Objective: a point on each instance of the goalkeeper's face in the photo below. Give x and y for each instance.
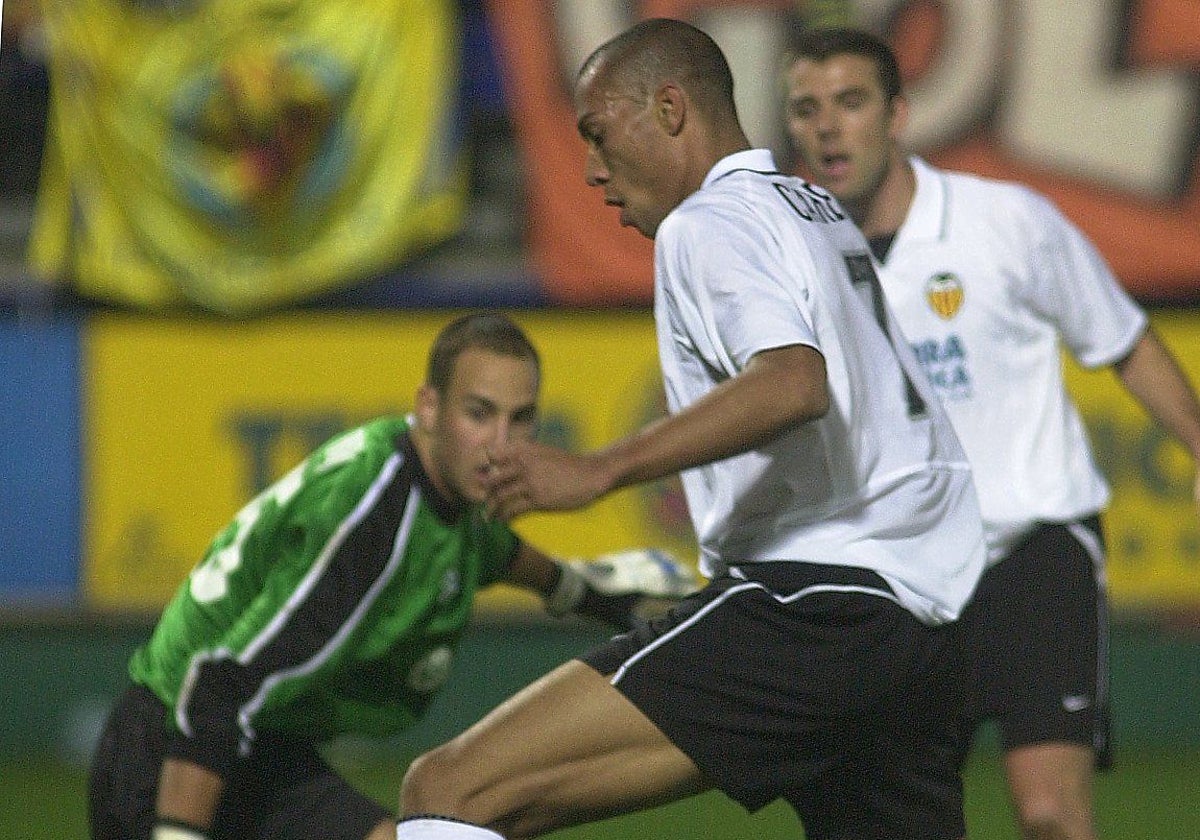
(490, 399)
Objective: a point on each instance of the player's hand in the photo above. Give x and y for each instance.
(527, 476)
(622, 587)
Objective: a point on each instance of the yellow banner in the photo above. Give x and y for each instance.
(186, 420)
(242, 154)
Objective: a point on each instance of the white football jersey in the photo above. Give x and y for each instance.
(756, 260)
(986, 279)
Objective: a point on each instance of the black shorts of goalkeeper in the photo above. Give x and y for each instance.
(283, 788)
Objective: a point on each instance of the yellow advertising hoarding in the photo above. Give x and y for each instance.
(1152, 523)
(185, 420)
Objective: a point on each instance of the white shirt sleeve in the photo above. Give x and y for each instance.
(1072, 286)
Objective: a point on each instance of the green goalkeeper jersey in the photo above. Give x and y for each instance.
(331, 604)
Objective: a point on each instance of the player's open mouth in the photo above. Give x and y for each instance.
(835, 165)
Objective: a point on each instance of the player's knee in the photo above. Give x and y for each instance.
(449, 782)
(428, 786)
(446, 782)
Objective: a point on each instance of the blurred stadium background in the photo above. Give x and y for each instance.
(178, 325)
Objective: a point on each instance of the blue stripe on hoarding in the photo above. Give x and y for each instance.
(39, 460)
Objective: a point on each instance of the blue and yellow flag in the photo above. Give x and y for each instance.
(242, 154)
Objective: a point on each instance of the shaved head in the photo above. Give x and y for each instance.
(655, 107)
(660, 50)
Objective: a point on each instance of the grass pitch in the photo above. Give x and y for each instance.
(1151, 795)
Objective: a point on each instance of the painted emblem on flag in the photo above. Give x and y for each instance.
(260, 138)
(944, 291)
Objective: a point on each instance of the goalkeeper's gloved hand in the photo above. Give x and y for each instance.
(621, 587)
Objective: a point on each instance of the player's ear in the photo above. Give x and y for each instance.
(429, 402)
(899, 119)
(670, 108)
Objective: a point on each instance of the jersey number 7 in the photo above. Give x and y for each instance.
(866, 281)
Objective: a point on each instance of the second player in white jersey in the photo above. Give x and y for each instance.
(991, 283)
(985, 277)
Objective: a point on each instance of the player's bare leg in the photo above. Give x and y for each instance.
(383, 831)
(1051, 787)
(567, 749)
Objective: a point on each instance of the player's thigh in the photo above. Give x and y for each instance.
(1061, 771)
(568, 748)
(1051, 785)
(385, 830)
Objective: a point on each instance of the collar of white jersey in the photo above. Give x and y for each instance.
(926, 219)
(755, 160)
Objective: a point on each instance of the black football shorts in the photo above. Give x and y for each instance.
(811, 683)
(284, 789)
(1037, 634)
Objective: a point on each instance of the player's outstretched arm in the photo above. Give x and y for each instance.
(777, 390)
(615, 588)
(1152, 375)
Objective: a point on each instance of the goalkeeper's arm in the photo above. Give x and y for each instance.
(187, 799)
(615, 588)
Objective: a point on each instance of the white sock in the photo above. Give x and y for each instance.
(439, 828)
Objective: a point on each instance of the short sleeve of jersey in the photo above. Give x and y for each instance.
(732, 290)
(1071, 285)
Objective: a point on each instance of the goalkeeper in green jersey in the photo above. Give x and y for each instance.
(332, 604)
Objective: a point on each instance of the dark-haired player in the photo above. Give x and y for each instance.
(988, 281)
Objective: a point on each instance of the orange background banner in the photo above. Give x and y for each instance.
(1093, 103)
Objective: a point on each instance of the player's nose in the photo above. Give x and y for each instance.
(826, 122)
(594, 171)
(501, 433)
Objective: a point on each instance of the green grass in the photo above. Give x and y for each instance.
(1152, 795)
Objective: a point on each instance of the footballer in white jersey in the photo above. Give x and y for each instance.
(880, 481)
(991, 283)
(985, 278)
(835, 508)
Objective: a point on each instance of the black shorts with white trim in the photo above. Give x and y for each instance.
(1037, 634)
(807, 682)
